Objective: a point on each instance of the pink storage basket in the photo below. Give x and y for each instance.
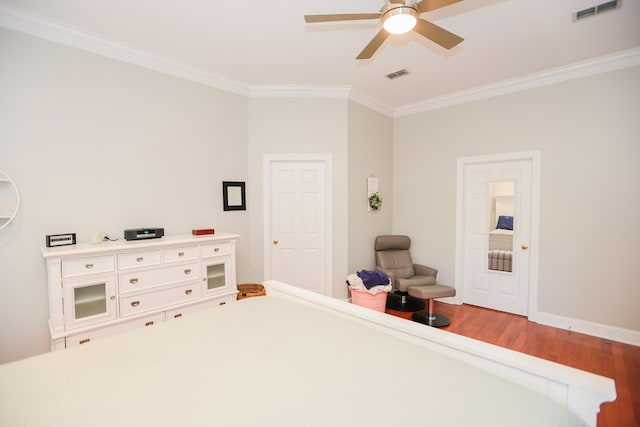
(376, 302)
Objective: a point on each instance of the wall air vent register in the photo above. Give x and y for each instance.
(595, 10)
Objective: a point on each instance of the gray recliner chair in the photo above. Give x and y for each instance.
(412, 282)
(393, 259)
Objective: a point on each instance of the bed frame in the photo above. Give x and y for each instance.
(579, 391)
(294, 358)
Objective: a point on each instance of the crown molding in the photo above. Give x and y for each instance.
(28, 23)
(18, 20)
(24, 22)
(372, 103)
(616, 61)
(299, 91)
(320, 91)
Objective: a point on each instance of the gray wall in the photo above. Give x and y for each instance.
(299, 126)
(587, 133)
(73, 124)
(99, 145)
(360, 142)
(370, 152)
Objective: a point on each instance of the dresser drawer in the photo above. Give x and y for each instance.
(177, 313)
(189, 253)
(134, 304)
(139, 259)
(73, 340)
(91, 265)
(145, 279)
(215, 250)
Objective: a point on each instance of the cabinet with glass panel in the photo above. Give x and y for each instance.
(218, 273)
(97, 290)
(89, 300)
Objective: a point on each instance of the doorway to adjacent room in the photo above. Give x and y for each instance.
(497, 232)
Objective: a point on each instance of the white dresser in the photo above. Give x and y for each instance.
(112, 287)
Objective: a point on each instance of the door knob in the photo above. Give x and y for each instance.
(275, 241)
(524, 246)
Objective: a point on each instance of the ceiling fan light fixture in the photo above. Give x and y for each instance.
(400, 20)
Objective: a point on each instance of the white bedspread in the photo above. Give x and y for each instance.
(262, 362)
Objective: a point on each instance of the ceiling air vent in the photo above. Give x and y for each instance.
(594, 10)
(397, 74)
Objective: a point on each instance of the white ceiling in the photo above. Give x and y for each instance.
(259, 43)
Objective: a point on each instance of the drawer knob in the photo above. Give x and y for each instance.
(177, 316)
(88, 266)
(223, 303)
(187, 271)
(84, 341)
(180, 253)
(188, 291)
(133, 281)
(149, 323)
(216, 250)
(135, 303)
(140, 259)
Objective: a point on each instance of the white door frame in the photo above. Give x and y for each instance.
(326, 159)
(534, 247)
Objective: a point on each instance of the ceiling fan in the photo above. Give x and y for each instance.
(398, 17)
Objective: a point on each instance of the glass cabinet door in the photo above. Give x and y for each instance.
(216, 275)
(89, 301)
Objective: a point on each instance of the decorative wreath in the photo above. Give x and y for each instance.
(375, 201)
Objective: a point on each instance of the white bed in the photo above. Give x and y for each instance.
(294, 358)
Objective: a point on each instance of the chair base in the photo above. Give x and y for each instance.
(399, 302)
(432, 319)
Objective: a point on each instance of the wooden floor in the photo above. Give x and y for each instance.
(601, 356)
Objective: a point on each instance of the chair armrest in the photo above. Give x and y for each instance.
(423, 270)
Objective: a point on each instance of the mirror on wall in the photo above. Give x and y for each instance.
(500, 254)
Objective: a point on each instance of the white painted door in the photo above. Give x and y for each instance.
(297, 228)
(484, 284)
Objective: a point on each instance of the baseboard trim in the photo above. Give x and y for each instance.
(599, 330)
(614, 333)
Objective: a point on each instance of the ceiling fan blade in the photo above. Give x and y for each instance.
(437, 34)
(427, 5)
(340, 17)
(373, 45)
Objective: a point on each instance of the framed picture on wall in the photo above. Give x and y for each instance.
(233, 196)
